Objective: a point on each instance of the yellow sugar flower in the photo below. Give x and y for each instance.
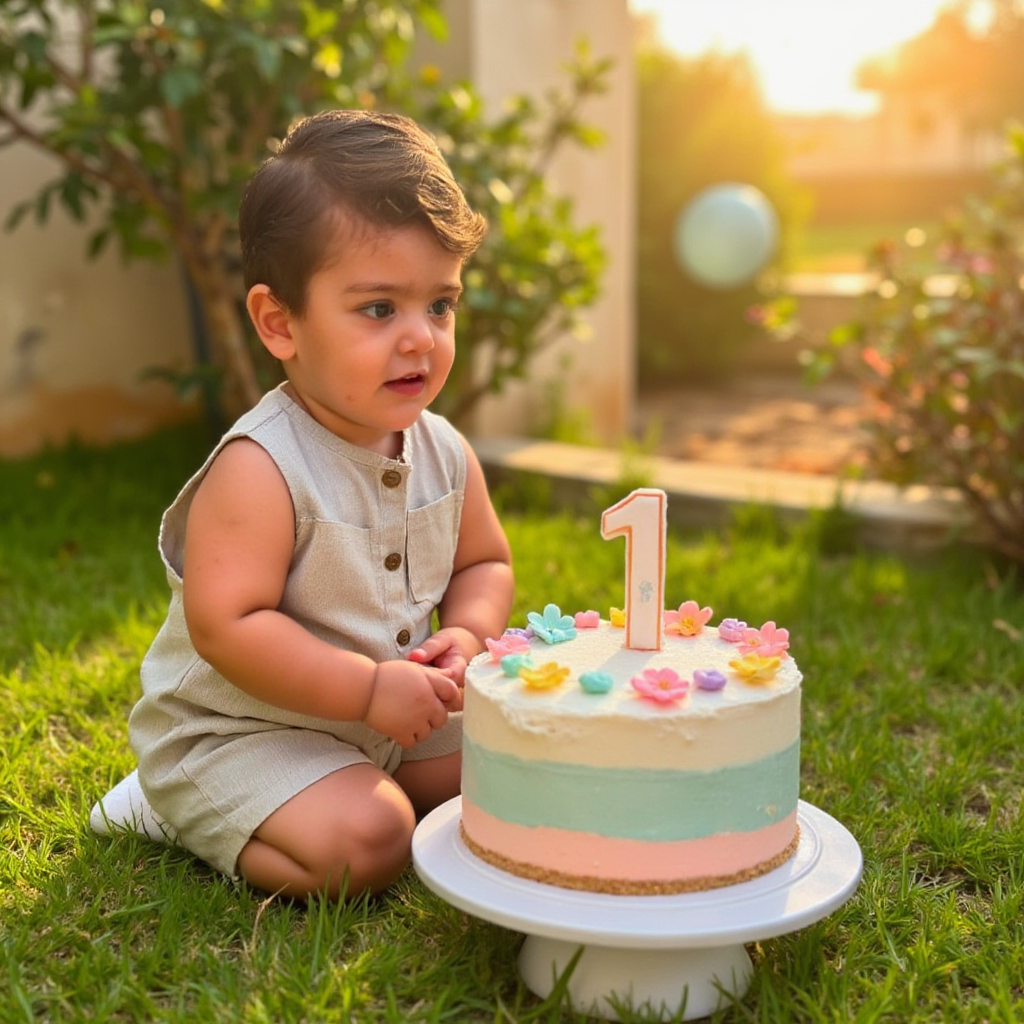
(617, 617)
(544, 677)
(753, 668)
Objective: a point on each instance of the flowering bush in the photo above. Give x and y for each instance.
(942, 357)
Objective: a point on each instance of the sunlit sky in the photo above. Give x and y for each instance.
(805, 51)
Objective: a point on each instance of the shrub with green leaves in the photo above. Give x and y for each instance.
(537, 270)
(942, 356)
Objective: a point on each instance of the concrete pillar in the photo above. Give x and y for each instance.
(521, 47)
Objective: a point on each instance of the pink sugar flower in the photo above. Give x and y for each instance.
(587, 620)
(689, 620)
(769, 641)
(732, 630)
(506, 644)
(660, 684)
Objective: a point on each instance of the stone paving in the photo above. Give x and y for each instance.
(760, 443)
(767, 421)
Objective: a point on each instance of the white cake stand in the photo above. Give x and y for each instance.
(662, 953)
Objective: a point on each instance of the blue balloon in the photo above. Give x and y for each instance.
(726, 235)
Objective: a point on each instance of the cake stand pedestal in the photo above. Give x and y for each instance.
(661, 953)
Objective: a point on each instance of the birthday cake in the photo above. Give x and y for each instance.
(591, 764)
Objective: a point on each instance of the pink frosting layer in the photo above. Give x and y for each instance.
(580, 853)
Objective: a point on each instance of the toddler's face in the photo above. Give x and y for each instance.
(377, 339)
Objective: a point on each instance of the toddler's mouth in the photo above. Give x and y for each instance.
(411, 384)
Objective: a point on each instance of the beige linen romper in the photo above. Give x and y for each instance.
(375, 541)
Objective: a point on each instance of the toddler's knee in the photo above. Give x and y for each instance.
(368, 853)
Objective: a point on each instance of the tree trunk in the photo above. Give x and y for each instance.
(241, 390)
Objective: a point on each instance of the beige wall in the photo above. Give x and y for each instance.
(75, 335)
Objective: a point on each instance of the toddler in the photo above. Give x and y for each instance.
(299, 710)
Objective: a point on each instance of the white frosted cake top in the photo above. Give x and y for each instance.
(504, 710)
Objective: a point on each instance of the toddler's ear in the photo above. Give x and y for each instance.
(272, 322)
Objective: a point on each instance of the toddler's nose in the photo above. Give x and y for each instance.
(417, 335)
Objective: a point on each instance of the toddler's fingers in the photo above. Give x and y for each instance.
(453, 665)
(445, 688)
(431, 649)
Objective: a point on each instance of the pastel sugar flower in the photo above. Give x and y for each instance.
(552, 626)
(587, 620)
(596, 682)
(507, 643)
(660, 684)
(732, 630)
(526, 634)
(617, 617)
(544, 677)
(755, 668)
(708, 679)
(513, 664)
(769, 641)
(689, 620)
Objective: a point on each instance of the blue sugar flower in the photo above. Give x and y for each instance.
(552, 627)
(513, 664)
(596, 682)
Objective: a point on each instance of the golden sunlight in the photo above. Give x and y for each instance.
(805, 52)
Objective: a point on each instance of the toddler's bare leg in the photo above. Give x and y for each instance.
(354, 825)
(431, 782)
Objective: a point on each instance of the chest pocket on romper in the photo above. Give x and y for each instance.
(432, 536)
(326, 589)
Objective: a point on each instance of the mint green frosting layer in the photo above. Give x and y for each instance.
(626, 803)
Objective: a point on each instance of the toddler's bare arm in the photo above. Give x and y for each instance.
(238, 548)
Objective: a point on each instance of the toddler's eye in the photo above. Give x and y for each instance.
(443, 307)
(379, 310)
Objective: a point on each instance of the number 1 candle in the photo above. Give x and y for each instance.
(640, 518)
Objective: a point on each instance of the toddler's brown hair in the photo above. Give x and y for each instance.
(381, 169)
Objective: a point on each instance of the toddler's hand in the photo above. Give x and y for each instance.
(410, 701)
(449, 650)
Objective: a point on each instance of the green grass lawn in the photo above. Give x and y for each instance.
(912, 737)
